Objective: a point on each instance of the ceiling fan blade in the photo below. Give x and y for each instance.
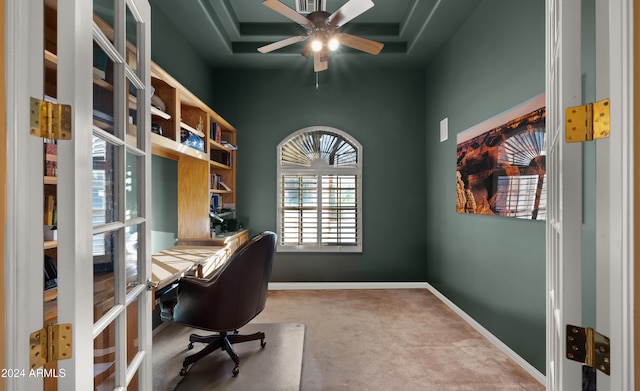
(280, 44)
(320, 61)
(288, 12)
(349, 11)
(359, 43)
(306, 51)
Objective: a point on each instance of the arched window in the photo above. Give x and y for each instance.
(319, 191)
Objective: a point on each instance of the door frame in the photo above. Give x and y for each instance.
(615, 196)
(615, 210)
(3, 187)
(23, 176)
(636, 188)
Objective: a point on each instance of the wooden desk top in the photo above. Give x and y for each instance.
(171, 264)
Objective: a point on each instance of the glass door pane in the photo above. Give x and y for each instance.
(132, 39)
(104, 359)
(119, 170)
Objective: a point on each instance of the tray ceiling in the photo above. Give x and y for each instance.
(227, 33)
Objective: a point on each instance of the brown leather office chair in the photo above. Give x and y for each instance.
(231, 298)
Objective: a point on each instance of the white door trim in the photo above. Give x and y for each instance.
(74, 84)
(615, 196)
(24, 250)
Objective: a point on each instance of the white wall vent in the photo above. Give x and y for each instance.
(308, 6)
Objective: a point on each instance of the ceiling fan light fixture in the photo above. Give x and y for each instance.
(316, 45)
(322, 29)
(334, 44)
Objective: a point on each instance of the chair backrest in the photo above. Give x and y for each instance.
(234, 295)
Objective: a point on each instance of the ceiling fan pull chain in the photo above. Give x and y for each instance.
(317, 80)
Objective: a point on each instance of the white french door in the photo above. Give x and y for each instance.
(564, 172)
(614, 183)
(95, 57)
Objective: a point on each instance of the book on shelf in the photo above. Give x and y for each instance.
(215, 182)
(223, 157)
(215, 132)
(50, 159)
(215, 202)
(223, 186)
(49, 210)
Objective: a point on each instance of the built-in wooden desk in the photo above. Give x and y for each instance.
(232, 240)
(169, 265)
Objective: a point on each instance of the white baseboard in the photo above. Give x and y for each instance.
(416, 285)
(287, 286)
(492, 338)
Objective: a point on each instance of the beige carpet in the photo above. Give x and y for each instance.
(396, 339)
(277, 367)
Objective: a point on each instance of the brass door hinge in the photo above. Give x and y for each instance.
(589, 347)
(589, 122)
(51, 343)
(50, 120)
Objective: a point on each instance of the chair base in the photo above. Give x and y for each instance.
(223, 341)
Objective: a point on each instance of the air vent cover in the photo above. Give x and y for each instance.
(308, 6)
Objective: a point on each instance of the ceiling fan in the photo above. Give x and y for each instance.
(323, 31)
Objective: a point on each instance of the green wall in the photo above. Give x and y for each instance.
(164, 203)
(493, 268)
(174, 54)
(384, 111)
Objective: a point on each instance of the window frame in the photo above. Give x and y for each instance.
(320, 171)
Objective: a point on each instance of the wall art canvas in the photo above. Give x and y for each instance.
(501, 164)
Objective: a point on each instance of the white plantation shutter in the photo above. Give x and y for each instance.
(339, 209)
(299, 210)
(319, 199)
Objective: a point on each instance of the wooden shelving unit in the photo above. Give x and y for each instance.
(199, 173)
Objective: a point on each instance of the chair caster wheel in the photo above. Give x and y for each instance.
(236, 370)
(190, 346)
(183, 371)
(262, 343)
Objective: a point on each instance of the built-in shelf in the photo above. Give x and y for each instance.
(163, 146)
(191, 129)
(217, 145)
(50, 58)
(159, 113)
(50, 294)
(51, 180)
(101, 83)
(49, 244)
(219, 165)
